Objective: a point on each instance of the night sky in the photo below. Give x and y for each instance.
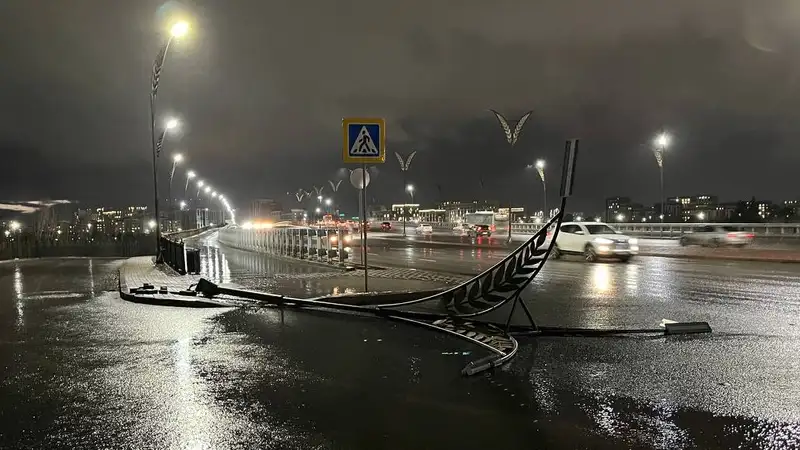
(262, 86)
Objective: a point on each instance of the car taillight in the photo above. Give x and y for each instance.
(493, 228)
(750, 235)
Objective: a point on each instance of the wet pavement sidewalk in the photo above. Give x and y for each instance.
(240, 269)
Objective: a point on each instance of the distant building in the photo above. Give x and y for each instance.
(455, 211)
(265, 209)
(411, 211)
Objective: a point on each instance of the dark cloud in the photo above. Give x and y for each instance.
(262, 87)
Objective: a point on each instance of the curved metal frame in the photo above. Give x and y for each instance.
(497, 285)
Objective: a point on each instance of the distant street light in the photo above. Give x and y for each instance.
(701, 216)
(660, 144)
(405, 164)
(512, 136)
(189, 175)
(539, 166)
(200, 185)
(176, 159)
(183, 204)
(207, 189)
(14, 225)
(620, 217)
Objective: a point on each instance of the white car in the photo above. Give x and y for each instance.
(424, 228)
(594, 240)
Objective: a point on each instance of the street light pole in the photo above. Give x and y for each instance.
(175, 160)
(540, 170)
(410, 190)
(511, 138)
(178, 30)
(660, 145)
(405, 164)
(189, 175)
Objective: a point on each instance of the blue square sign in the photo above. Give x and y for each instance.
(364, 140)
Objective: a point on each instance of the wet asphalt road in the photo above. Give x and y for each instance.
(83, 369)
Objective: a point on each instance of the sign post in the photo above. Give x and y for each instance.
(363, 142)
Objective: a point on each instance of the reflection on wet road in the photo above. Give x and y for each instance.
(80, 368)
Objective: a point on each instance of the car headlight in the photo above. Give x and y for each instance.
(603, 241)
(633, 241)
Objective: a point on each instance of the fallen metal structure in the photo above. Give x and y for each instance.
(461, 310)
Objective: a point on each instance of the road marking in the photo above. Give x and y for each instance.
(427, 260)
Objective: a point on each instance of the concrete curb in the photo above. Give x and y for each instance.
(163, 299)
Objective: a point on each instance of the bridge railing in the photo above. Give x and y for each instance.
(313, 244)
(665, 230)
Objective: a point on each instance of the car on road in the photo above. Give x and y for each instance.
(593, 240)
(482, 230)
(716, 236)
(462, 230)
(386, 226)
(424, 228)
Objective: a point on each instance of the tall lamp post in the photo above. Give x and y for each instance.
(189, 175)
(176, 159)
(540, 169)
(660, 144)
(512, 136)
(177, 30)
(405, 164)
(410, 190)
(335, 189)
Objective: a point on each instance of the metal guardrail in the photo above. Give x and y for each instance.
(177, 255)
(787, 230)
(174, 254)
(313, 244)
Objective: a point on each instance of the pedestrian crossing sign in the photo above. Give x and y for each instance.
(364, 140)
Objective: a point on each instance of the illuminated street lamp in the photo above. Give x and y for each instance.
(179, 29)
(207, 190)
(176, 159)
(660, 144)
(189, 175)
(14, 226)
(620, 217)
(540, 170)
(182, 205)
(200, 185)
(405, 164)
(701, 216)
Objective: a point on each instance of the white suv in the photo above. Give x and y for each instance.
(593, 240)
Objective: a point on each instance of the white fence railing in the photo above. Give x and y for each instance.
(312, 244)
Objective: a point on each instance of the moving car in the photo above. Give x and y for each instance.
(593, 240)
(717, 236)
(424, 228)
(386, 226)
(482, 230)
(462, 230)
